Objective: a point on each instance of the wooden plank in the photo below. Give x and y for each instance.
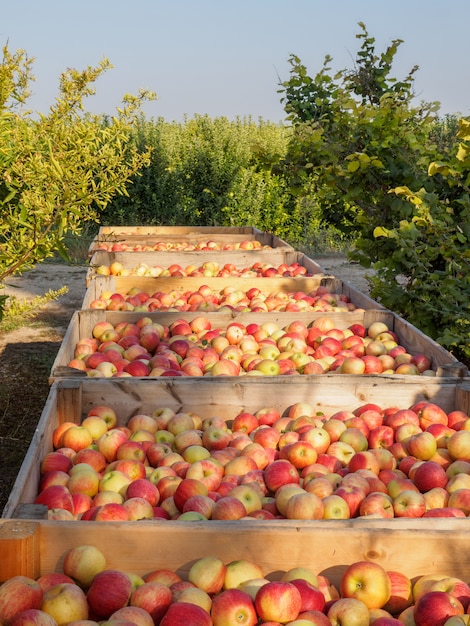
(20, 550)
(415, 547)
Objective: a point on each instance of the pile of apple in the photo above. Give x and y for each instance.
(207, 269)
(228, 299)
(194, 348)
(215, 593)
(180, 246)
(386, 463)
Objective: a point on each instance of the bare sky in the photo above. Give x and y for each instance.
(225, 58)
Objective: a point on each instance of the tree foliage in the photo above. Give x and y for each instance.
(210, 171)
(389, 172)
(427, 276)
(57, 170)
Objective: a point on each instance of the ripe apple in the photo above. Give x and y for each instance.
(143, 488)
(154, 597)
(76, 438)
(305, 506)
(186, 488)
(422, 445)
(109, 591)
(110, 511)
(83, 479)
(278, 601)
(208, 574)
(33, 617)
(401, 596)
(377, 504)
(240, 571)
(249, 495)
(138, 508)
(66, 603)
(429, 475)
(133, 614)
(455, 587)
(18, 594)
(114, 480)
(233, 606)
(228, 508)
(280, 472)
(56, 461)
(335, 507)
(312, 598)
(110, 441)
(348, 612)
(82, 563)
(436, 607)
(458, 445)
(409, 503)
(55, 497)
(366, 581)
(184, 613)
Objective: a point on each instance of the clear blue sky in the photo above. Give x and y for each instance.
(224, 58)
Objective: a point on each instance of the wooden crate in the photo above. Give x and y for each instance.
(34, 548)
(71, 399)
(122, 284)
(240, 258)
(150, 235)
(442, 361)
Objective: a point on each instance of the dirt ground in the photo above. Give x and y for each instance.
(27, 354)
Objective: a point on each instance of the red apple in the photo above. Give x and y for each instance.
(429, 475)
(409, 503)
(233, 606)
(185, 613)
(53, 578)
(18, 594)
(109, 591)
(133, 614)
(305, 506)
(154, 597)
(280, 472)
(278, 601)
(401, 596)
(312, 598)
(33, 617)
(228, 508)
(56, 497)
(436, 607)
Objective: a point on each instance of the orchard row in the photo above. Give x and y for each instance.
(197, 348)
(228, 299)
(208, 269)
(385, 463)
(180, 246)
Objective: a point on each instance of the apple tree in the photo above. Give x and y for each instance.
(58, 169)
(427, 277)
(363, 147)
(356, 135)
